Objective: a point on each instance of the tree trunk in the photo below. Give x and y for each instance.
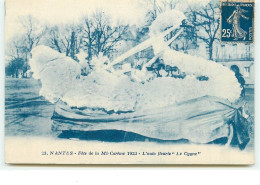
(72, 46)
(16, 73)
(89, 53)
(57, 45)
(210, 50)
(67, 51)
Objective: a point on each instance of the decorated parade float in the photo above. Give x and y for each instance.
(171, 97)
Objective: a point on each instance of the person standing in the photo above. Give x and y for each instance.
(240, 79)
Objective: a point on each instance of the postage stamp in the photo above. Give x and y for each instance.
(237, 21)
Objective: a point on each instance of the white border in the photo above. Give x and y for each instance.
(1, 83)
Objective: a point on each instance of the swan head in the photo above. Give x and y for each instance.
(166, 20)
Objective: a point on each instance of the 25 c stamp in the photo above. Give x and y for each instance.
(237, 21)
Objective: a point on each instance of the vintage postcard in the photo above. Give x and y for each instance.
(129, 82)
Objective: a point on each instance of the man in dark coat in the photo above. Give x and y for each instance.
(240, 79)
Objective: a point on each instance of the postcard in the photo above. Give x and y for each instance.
(129, 82)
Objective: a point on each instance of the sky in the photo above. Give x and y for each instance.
(55, 12)
(69, 11)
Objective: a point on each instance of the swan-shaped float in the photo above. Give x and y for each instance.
(164, 108)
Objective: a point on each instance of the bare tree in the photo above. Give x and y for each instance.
(89, 36)
(100, 36)
(54, 39)
(15, 56)
(15, 47)
(20, 46)
(33, 31)
(65, 39)
(206, 20)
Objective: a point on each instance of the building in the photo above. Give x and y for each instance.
(240, 55)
